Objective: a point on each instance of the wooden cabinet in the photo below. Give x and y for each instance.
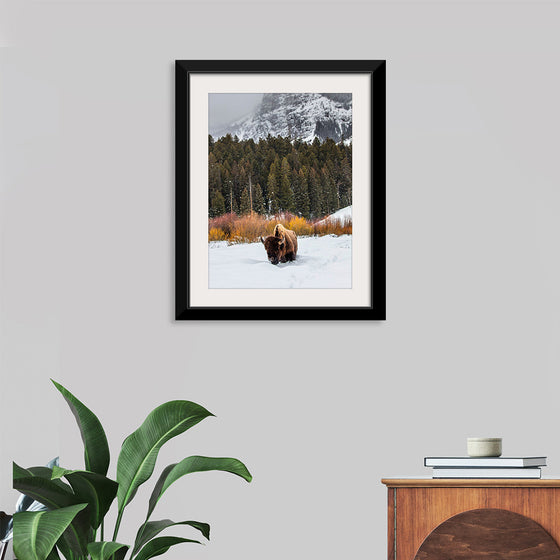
(473, 519)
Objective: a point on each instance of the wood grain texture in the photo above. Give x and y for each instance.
(494, 534)
(391, 524)
(419, 510)
(470, 483)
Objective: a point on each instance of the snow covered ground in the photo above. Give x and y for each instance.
(322, 262)
(340, 215)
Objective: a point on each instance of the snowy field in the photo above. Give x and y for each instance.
(322, 262)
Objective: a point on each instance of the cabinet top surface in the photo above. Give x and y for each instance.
(470, 482)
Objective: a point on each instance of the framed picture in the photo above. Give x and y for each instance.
(280, 190)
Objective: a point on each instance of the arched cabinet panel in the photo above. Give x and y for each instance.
(473, 519)
(495, 534)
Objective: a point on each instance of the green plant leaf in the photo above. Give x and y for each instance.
(160, 545)
(64, 549)
(19, 471)
(55, 494)
(45, 473)
(173, 472)
(95, 489)
(53, 555)
(140, 449)
(36, 533)
(105, 550)
(96, 448)
(25, 503)
(68, 553)
(148, 531)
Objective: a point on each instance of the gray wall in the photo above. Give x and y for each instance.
(470, 346)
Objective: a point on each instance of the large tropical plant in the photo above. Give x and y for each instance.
(77, 501)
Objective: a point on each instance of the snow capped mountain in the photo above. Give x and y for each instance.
(300, 116)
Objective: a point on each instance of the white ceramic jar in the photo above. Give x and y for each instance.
(484, 447)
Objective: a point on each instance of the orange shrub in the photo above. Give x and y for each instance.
(224, 222)
(216, 234)
(250, 227)
(300, 226)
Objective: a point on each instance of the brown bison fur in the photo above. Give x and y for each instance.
(281, 246)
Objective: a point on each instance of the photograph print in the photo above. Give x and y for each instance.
(280, 192)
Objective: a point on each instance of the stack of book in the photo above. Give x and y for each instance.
(485, 467)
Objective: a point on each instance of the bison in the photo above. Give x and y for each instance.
(281, 246)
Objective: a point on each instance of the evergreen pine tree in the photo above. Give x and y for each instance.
(217, 205)
(235, 207)
(226, 184)
(258, 200)
(238, 180)
(330, 191)
(316, 148)
(274, 204)
(245, 203)
(345, 183)
(285, 193)
(214, 182)
(273, 185)
(301, 193)
(229, 196)
(315, 194)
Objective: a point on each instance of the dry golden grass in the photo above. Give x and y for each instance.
(249, 228)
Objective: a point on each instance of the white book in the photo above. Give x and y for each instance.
(527, 472)
(467, 462)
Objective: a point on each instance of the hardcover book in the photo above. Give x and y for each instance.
(468, 462)
(531, 472)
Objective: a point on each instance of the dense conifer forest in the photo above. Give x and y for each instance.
(278, 175)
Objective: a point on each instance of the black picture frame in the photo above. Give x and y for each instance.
(184, 310)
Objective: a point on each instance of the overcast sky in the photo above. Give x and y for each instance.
(224, 108)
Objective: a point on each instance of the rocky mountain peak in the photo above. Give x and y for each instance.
(300, 116)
